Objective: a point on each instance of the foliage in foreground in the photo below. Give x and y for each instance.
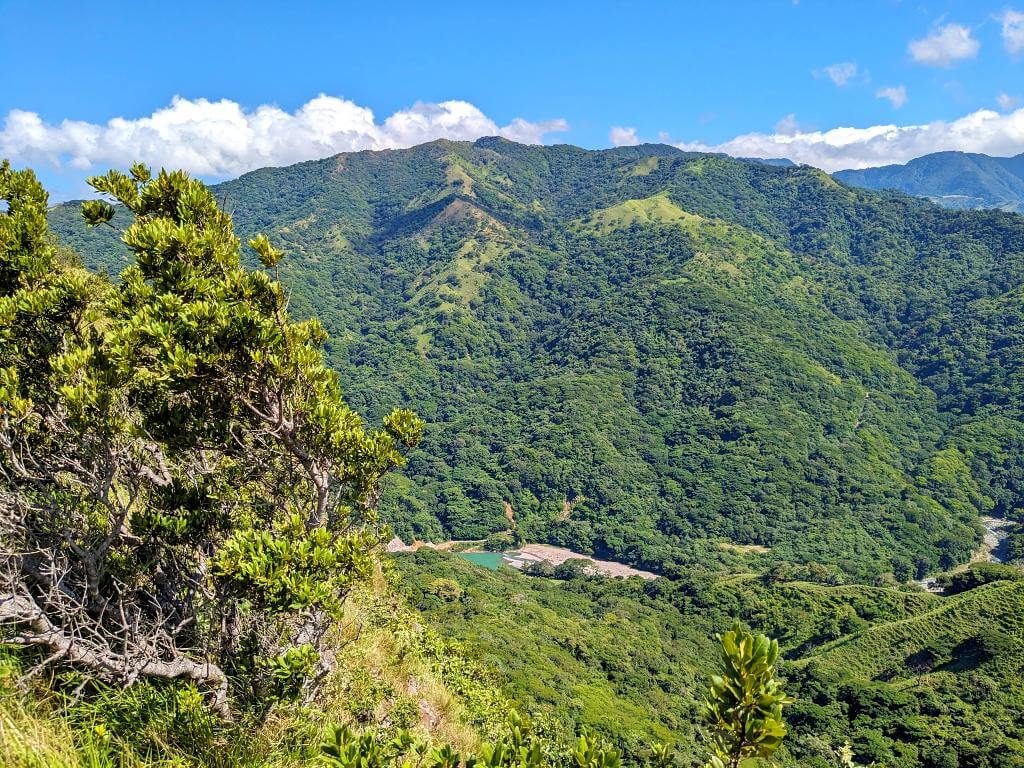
(518, 747)
(743, 706)
(184, 494)
(392, 674)
(743, 712)
(152, 725)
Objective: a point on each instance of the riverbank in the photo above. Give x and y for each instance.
(527, 555)
(531, 554)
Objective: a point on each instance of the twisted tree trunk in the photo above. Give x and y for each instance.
(33, 628)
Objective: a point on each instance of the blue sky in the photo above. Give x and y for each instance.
(767, 78)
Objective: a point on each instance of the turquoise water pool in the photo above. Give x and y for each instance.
(491, 560)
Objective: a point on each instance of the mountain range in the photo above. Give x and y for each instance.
(656, 356)
(952, 179)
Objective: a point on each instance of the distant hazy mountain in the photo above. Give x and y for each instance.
(779, 162)
(952, 179)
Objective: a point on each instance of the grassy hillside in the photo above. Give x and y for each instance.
(643, 353)
(908, 678)
(943, 633)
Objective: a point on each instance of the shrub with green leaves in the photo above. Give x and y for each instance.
(184, 488)
(743, 705)
(519, 747)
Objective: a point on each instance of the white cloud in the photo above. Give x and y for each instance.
(944, 46)
(1007, 102)
(623, 137)
(840, 74)
(788, 126)
(897, 95)
(526, 132)
(1013, 30)
(220, 138)
(982, 131)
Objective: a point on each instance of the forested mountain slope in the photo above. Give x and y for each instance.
(646, 354)
(952, 179)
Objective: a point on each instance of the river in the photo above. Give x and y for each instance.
(994, 548)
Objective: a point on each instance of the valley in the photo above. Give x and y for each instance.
(994, 548)
(542, 556)
(678, 348)
(996, 543)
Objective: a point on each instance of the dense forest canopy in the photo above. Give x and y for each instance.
(649, 355)
(905, 678)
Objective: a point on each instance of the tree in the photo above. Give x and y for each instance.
(185, 492)
(743, 705)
